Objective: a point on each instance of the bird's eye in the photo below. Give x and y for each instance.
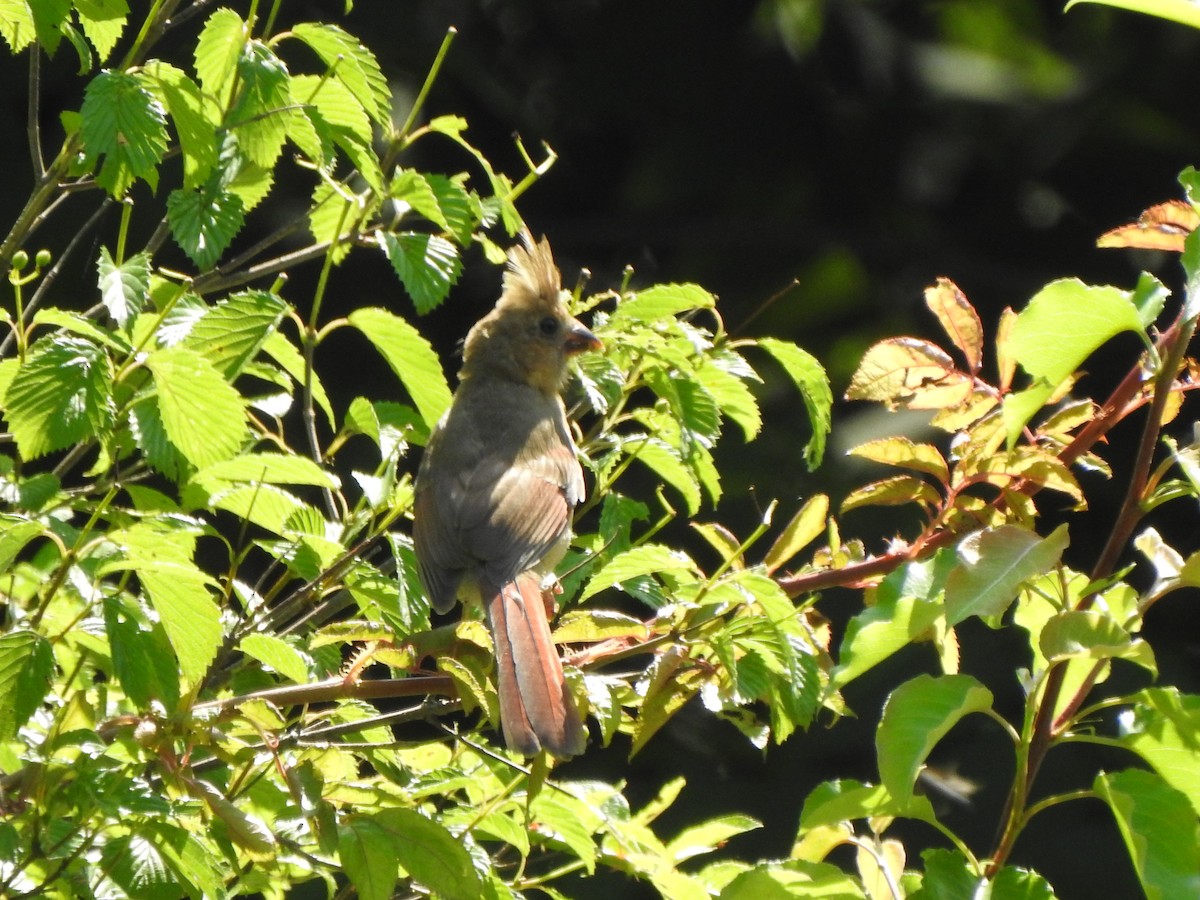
(548, 326)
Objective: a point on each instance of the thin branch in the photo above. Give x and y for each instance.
(33, 127)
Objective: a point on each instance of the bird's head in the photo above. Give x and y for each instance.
(529, 336)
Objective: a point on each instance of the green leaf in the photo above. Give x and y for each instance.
(201, 413)
(1064, 323)
(1163, 727)
(288, 358)
(948, 876)
(647, 559)
(915, 717)
(277, 654)
(809, 376)
(230, 334)
(204, 222)
(180, 595)
(1090, 634)
(733, 397)
(459, 208)
(429, 853)
(124, 126)
(845, 800)
(665, 461)
(50, 19)
(1160, 831)
(16, 24)
(266, 468)
(15, 533)
(906, 454)
(102, 22)
(178, 591)
(1182, 11)
(662, 301)
(26, 667)
(993, 564)
(142, 658)
(60, 396)
(427, 265)
(413, 189)
(124, 289)
(709, 835)
(218, 50)
(410, 356)
(805, 526)
(353, 65)
(259, 118)
(790, 880)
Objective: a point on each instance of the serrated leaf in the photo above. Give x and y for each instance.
(230, 334)
(459, 208)
(102, 22)
(26, 667)
(204, 222)
(410, 356)
(413, 189)
(915, 717)
(124, 130)
(353, 65)
(427, 265)
(50, 20)
(665, 461)
(200, 411)
(261, 114)
(124, 289)
(662, 301)
(959, 319)
(1160, 831)
(429, 853)
(60, 396)
(733, 397)
(15, 533)
(266, 468)
(16, 24)
(277, 654)
(288, 358)
(592, 625)
(142, 657)
(218, 50)
(647, 559)
(331, 217)
(809, 376)
(993, 564)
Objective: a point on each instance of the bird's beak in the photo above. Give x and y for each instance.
(579, 339)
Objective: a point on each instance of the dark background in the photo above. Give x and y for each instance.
(816, 163)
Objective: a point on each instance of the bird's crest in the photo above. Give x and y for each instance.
(532, 278)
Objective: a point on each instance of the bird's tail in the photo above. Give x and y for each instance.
(537, 710)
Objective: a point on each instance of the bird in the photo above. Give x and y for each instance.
(496, 489)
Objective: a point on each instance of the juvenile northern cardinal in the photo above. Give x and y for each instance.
(495, 492)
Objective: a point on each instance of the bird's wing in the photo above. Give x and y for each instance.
(518, 511)
(494, 494)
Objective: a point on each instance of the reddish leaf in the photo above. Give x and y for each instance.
(959, 318)
(1161, 227)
